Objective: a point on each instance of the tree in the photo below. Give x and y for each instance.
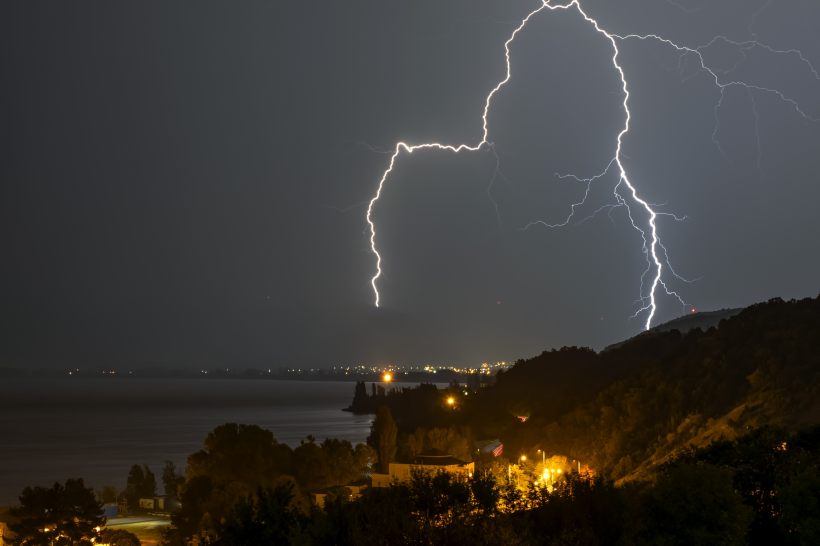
(133, 488)
(800, 516)
(384, 431)
(206, 534)
(360, 398)
(413, 443)
(141, 484)
(365, 458)
(345, 463)
(579, 510)
(450, 441)
(267, 519)
(693, 505)
(310, 464)
(109, 494)
(244, 454)
(68, 514)
(149, 483)
(237, 459)
(760, 463)
(171, 479)
(341, 463)
(195, 500)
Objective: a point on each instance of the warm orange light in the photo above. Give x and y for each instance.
(449, 400)
(387, 377)
(523, 457)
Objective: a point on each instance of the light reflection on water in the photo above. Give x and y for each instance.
(54, 429)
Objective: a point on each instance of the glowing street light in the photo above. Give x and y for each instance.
(387, 378)
(450, 401)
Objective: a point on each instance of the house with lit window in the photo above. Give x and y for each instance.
(432, 460)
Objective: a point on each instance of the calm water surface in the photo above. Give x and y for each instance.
(54, 429)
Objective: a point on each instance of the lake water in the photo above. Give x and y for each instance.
(54, 429)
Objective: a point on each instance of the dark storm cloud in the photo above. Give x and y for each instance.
(173, 174)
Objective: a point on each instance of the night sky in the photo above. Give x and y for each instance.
(182, 183)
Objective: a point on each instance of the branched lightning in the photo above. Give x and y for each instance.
(651, 239)
(496, 173)
(453, 148)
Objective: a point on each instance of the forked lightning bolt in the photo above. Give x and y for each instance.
(651, 240)
(458, 148)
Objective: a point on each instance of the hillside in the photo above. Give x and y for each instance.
(702, 320)
(627, 408)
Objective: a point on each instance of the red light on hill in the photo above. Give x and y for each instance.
(693, 310)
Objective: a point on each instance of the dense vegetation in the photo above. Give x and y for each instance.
(61, 514)
(239, 459)
(760, 489)
(693, 438)
(634, 406)
(623, 410)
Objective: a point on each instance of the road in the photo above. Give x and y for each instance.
(147, 528)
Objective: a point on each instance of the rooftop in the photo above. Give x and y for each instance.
(436, 457)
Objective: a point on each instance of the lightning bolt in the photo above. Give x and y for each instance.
(496, 174)
(651, 239)
(453, 148)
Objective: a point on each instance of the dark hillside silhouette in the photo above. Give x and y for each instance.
(630, 407)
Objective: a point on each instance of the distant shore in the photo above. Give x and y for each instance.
(440, 376)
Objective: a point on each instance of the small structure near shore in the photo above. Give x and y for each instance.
(352, 490)
(432, 460)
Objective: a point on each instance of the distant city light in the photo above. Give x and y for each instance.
(387, 377)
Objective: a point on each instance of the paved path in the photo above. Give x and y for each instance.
(147, 528)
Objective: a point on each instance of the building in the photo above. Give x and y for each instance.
(5, 519)
(160, 502)
(355, 488)
(110, 509)
(432, 460)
